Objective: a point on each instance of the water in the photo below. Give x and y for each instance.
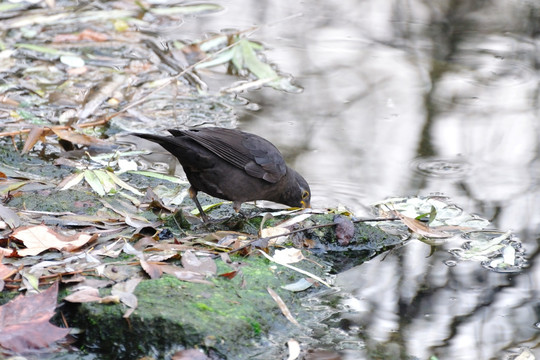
(413, 98)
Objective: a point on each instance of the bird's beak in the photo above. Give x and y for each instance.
(305, 204)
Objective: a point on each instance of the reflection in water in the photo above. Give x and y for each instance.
(394, 83)
(424, 307)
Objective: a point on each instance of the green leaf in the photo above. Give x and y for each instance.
(32, 280)
(44, 49)
(252, 62)
(209, 207)
(159, 176)
(123, 184)
(8, 6)
(92, 180)
(108, 183)
(222, 58)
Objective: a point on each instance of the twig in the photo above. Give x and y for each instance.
(305, 229)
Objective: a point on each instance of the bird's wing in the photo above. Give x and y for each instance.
(257, 156)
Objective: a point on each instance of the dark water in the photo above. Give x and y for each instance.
(413, 98)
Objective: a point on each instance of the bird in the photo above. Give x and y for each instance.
(233, 165)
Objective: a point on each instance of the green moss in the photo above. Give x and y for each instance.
(173, 313)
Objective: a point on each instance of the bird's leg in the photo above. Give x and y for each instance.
(193, 196)
(237, 205)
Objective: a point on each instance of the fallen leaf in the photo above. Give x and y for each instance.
(153, 270)
(124, 291)
(9, 216)
(282, 306)
(307, 273)
(190, 354)
(24, 322)
(77, 138)
(205, 266)
(420, 228)
(94, 182)
(71, 181)
(229, 275)
(84, 295)
(344, 229)
(86, 34)
(40, 238)
(6, 271)
(300, 285)
(35, 134)
(288, 256)
(274, 232)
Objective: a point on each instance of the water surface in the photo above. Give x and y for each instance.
(412, 98)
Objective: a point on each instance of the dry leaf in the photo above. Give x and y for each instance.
(420, 228)
(24, 322)
(152, 269)
(124, 291)
(35, 134)
(40, 238)
(6, 271)
(344, 229)
(282, 306)
(204, 266)
(84, 295)
(288, 256)
(76, 138)
(9, 216)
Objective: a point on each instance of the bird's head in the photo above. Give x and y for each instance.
(295, 191)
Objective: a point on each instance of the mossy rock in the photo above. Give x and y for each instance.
(226, 317)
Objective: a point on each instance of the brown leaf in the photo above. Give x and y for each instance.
(35, 134)
(84, 295)
(40, 238)
(8, 252)
(229, 275)
(344, 229)
(6, 271)
(76, 138)
(420, 228)
(24, 322)
(152, 269)
(86, 34)
(282, 306)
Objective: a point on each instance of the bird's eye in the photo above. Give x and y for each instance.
(305, 194)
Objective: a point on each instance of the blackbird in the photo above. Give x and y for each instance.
(234, 165)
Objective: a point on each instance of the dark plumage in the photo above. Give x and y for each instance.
(234, 165)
